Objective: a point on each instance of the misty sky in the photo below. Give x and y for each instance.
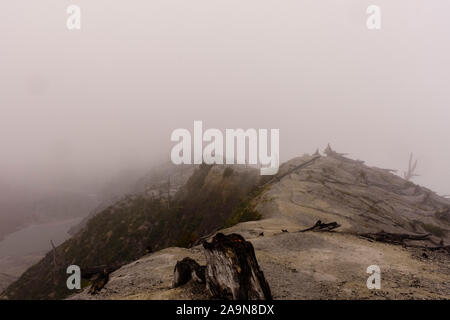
(79, 106)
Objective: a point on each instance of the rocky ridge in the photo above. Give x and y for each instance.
(322, 265)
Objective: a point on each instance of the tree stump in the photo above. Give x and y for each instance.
(232, 271)
(188, 269)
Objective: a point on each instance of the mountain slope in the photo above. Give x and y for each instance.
(160, 181)
(139, 224)
(297, 265)
(360, 198)
(317, 265)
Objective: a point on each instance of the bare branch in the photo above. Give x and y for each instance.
(410, 173)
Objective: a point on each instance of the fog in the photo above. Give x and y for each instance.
(78, 107)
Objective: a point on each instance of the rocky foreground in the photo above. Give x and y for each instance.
(322, 264)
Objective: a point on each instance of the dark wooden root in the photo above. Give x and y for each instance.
(232, 271)
(403, 238)
(386, 237)
(188, 269)
(443, 248)
(394, 238)
(319, 226)
(99, 282)
(98, 275)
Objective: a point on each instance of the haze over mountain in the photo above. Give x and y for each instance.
(85, 114)
(31, 219)
(81, 106)
(143, 235)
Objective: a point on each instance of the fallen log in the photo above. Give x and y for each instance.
(394, 238)
(319, 226)
(188, 269)
(435, 248)
(444, 248)
(232, 271)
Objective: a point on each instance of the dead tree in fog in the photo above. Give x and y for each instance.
(168, 192)
(54, 255)
(408, 175)
(331, 153)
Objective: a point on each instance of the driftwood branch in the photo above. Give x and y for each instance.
(446, 248)
(394, 238)
(319, 226)
(400, 238)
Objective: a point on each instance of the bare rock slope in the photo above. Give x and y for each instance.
(321, 265)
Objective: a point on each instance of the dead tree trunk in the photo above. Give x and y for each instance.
(188, 269)
(232, 271)
(55, 265)
(410, 173)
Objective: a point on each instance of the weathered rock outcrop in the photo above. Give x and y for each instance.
(232, 271)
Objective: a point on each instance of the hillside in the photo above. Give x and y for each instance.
(160, 181)
(321, 265)
(139, 224)
(297, 265)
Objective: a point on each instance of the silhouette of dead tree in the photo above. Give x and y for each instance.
(410, 173)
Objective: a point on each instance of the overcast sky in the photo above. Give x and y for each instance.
(77, 106)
